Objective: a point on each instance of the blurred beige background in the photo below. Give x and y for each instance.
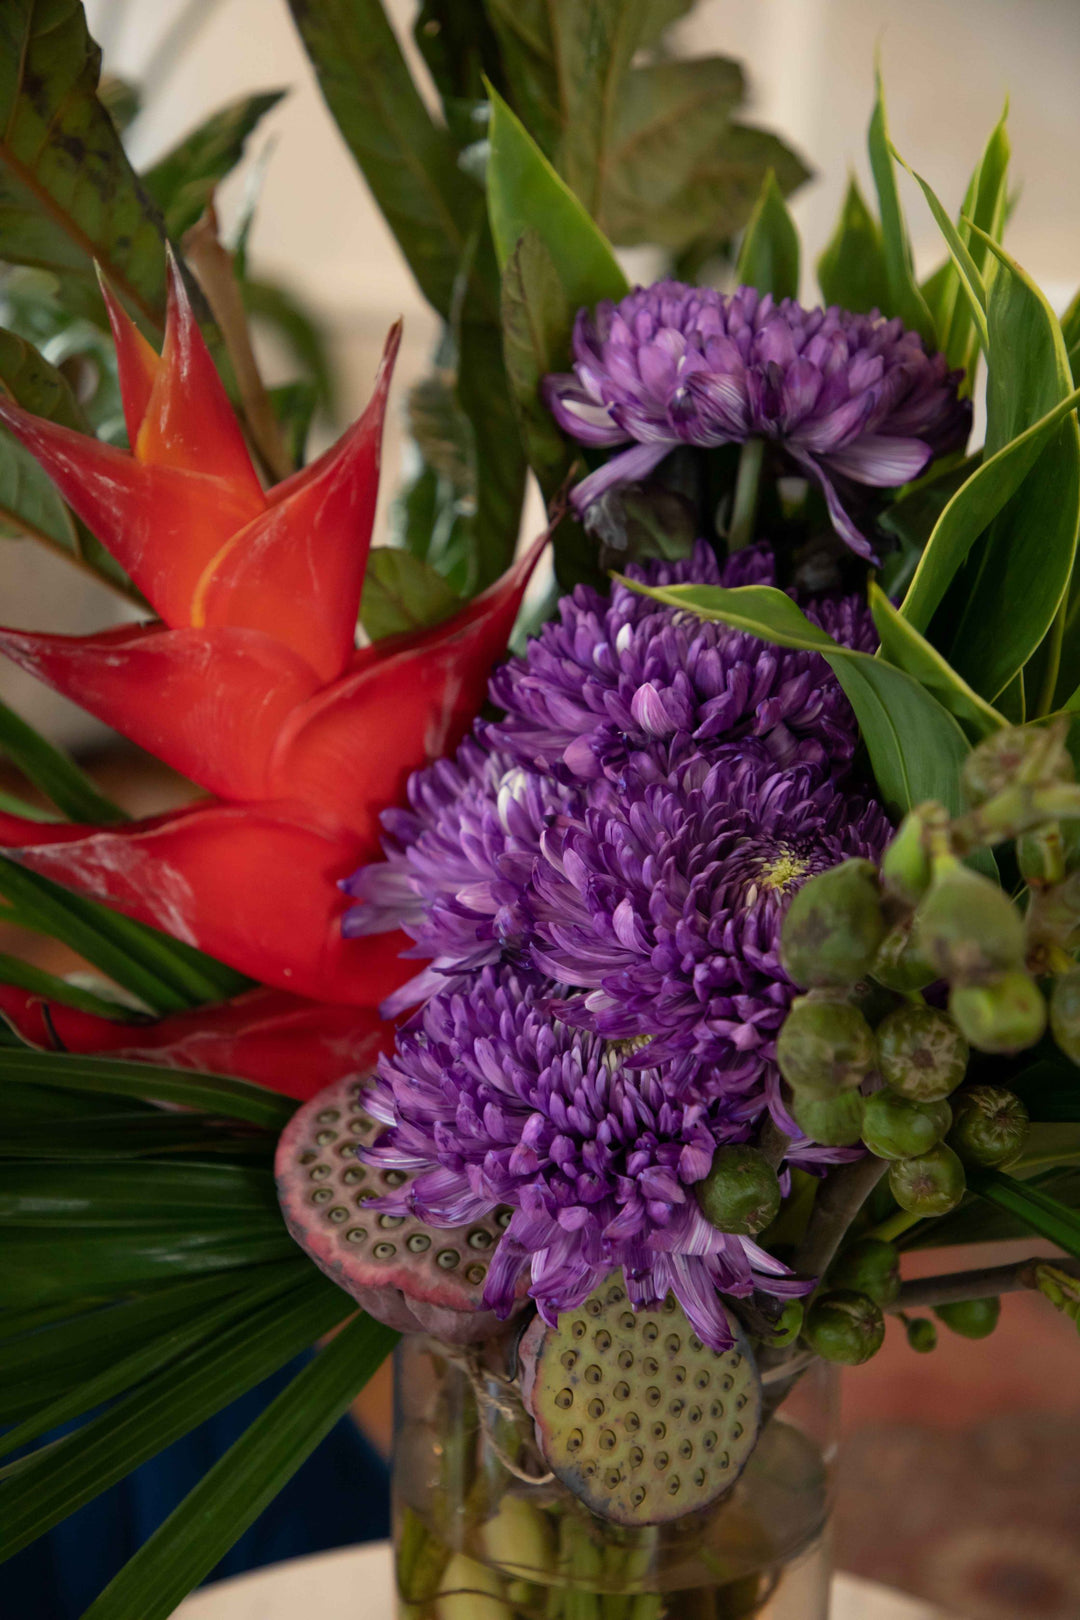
(948, 65)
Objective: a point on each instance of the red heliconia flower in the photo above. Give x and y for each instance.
(250, 682)
(268, 1036)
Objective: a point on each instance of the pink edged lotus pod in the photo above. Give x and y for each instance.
(414, 1277)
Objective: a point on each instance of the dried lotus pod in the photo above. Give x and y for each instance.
(633, 1413)
(414, 1277)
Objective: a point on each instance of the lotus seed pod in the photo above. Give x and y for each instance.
(413, 1277)
(470, 1591)
(825, 1046)
(1065, 1013)
(898, 964)
(833, 927)
(868, 1267)
(1035, 755)
(905, 865)
(741, 1192)
(989, 1127)
(932, 1184)
(921, 1053)
(1005, 1013)
(788, 1326)
(896, 1127)
(971, 1318)
(921, 1334)
(832, 1121)
(967, 927)
(633, 1413)
(844, 1326)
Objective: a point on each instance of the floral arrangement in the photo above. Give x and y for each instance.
(658, 984)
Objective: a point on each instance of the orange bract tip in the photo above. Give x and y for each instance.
(137, 361)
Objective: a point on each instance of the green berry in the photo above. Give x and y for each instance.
(905, 865)
(921, 1053)
(898, 965)
(741, 1192)
(1065, 1013)
(989, 1127)
(896, 1127)
(1036, 755)
(788, 1325)
(833, 927)
(971, 1318)
(967, 926)
(825, 1046)
(868, 1267)
(844, 1326)
(921, 1334)
(832, 1121)
(932, 1184)
(1005, 1013)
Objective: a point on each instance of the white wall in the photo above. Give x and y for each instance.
(948, 67)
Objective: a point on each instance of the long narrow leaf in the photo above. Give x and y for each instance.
(39, 1490)
(82, 1197)
(1036, 1209)
(237, 1489)
(13, 970)
(58, 777)
(212, 1093)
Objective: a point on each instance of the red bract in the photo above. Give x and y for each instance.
(277, 1040)
(250, 682)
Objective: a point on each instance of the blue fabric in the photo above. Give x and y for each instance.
(338, 1497)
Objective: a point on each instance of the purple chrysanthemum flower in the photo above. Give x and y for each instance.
(457, 865)
(619, 674)
(849, 396)
(660, 906)
(494, 1100)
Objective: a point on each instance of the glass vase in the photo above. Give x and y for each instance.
(481, 1535)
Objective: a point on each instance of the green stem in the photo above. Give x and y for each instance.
(894, 1227)
(747, 487)
(1055, 642)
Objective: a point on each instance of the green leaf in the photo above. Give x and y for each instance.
(284, 313)
(851, 271)
(1025, 560)
(524, 192)
(131, 1135)
(916, 747)
(58, 777)
(294, 405)
(1050, 1090)
(81, 1197)
(403, 593)
(1037, 1210)
(48, 985)
(212, 1093)
(237, 1489)
(41, 1489)
(68, 194)
(904, 297)
(966, 271)
(537, 320)
(408, 161)
(769, 255)
(182, 181)
(165, 974)
(904, 647)
(499, 458)
(79, 1390)
(972, 509)
(986, 206)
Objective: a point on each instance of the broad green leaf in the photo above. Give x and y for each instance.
(458, 44)
(407, 159)
(212, 1093)
(916, 747)
(499, 458)
(80, 1390)
(237, 1489)
(68, 194)
(537, 322)
(294, 405)
(39, 1490)
(851, 271)
(904, 647)
(165, 974)
(524, 192)
(403, 593)
(297, 328)
(1025, 561)
(973, 508)
(51, 987)
(912, 518)
(1038, 1210)
(904, 297)
(769, 255)
(182, 181)
(58, 777)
